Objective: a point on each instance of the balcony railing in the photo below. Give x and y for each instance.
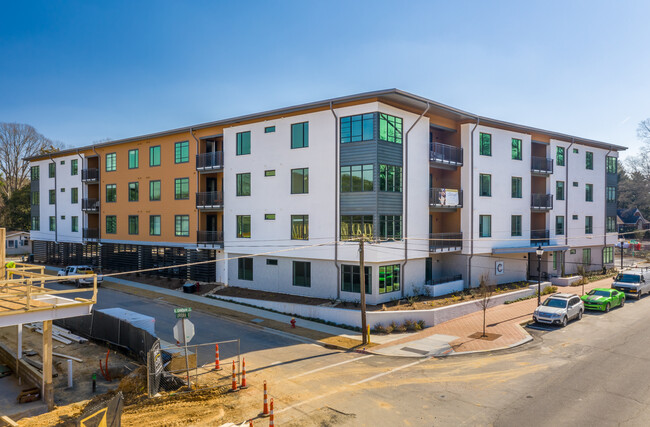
(209, 161)
(541, 165)
(90, 205)
(88, 175)
(541, 201)
(445, 242)
(539, 237)
(209, 237)
(445, 198)
(445, 154)
(91, 233)
(441, 280)
(209, 200)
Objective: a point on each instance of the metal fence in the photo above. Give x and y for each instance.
(178, 368)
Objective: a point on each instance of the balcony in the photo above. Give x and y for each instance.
(541, 202)
(539, 237)
(445, 198)
(91, 233)
(541, 165)
(445, 242)
(90, 205)
(214, 238)
(445, 155)
(209, 161)
(210, 200)
(90, 175)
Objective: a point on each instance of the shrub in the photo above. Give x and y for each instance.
(420, 324)
(413, 299)
(549, 290)
(380, 329)
(409, 325)
(400, 328)
(392, 326)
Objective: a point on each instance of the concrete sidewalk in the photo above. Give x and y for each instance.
(453, 336)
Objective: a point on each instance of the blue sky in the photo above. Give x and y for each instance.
(81, 72)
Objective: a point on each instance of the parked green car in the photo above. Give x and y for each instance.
(603, 299)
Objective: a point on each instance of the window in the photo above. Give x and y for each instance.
(555, 260)
(516, 187)
(559, 225)
(299, 227)
(134, 191)
(390, 178)
(111, 192)
(182, 152)
(300, 135)
(390, 227)
(269, 129)
(589, 160)
(243, 143)
(612, 165)
(51, 170)
(74, 167)
(36, 223)
(357, 178)
(611, 224)
(302, 274)
(269, 217)
(575, 183)
(389, 278)
(611, 194)
(357, 128)
(134, 159)
(485, 145)
(390, 128)
(300, 181)
(589, 224)
(356, 225)
(559, 190)
(74, 195)
(351, 279)
(74, 225)
(63, 217)
(154, 225)
(269, 172)
(243, 184)
(134, 224)
(182, 225)
(559, 156)
(270, 261)
(575, 151)
(574, 217)
(111, 162)
(111, 224)
(154, 156)
(245, 268)
(52, 194)
(516, 149)
(485, 185)
(608, 255)
(485, 225)
(181, 188)
(589, 192)
(36, 198)
(515, 225)
(35, 173)
(586, 256)
(63, 162)
(244, 226)
(154, 190)
(63, 190)
(52, 223)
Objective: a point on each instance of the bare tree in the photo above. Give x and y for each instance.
(485, 292)
(643, 131)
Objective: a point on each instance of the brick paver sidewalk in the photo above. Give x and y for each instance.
(503, 320)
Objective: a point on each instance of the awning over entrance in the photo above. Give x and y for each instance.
(527, 249)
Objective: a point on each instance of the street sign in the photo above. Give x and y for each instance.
(178, 331)
(182, 313)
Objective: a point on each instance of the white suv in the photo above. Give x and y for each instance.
(559, 308)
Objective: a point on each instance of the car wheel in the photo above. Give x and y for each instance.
(622, 302)
(565, 321)
(607, 307)
(580, 315)
(638, 297)
(77, 283)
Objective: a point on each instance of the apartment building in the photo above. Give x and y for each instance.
(441, 196)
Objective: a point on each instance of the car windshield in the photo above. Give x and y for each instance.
(628, 278)
(555, 303)
(599, 293)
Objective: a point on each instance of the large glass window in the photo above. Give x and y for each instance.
(111, 224)
(390, 178)
(515, 225)
(300, 135)
(608, 255)
(134, 191)
(243, 184)
(390, 128)
(154, 190)
(300, 181)
(244, 226)
(559, 225)
(559, 156)
(611, 224)
(589, 225)
(353, 226)
(134, 158)
(181, 188)
(389, 278)
(390, 227)
(182, 225)
(74, 224)
(485, 185)
(154, 225)
(302, 274)
(111, 192)
(52, 195)
(586, 257)
(154, 156)
(134, 221)
(74, 195)
(299, 227)
(74, 167)
(589, 192)
(516, 187)
(589, 160)
(245, 268)
(357, 178)
(516, 149)
(36, 198)
(51, 169)
(52, 223)
(357, 128)
(243, 143)
(611, 194)
(612, 165)
(485, 145)
(182, 152)
(36, 223)
(559, 190)
(111, 162)
(35, 173)
(485, 225)
(351, 279)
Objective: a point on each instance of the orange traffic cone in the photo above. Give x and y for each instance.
(217, 367)
(234, 379)
(265, 411)
(243, 374)
(250, 423)
(271, 423)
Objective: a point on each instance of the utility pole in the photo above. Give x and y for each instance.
(362, 274)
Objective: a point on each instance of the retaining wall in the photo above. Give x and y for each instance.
(565, 281)
(25, 370)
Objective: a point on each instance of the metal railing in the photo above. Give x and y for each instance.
(443, 198)
(91, 233)
(542, 165)
(210, 199)
(442, 242)
(539, 237)
(90, 174)
(441, 280)
(445, 154)
(541, 201)
(90, 205)
(209, 237)
(212, 160)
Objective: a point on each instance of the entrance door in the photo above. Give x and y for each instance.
(210, 184)
(211, 222)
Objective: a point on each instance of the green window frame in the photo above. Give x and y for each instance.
(515, 225)
(586, 256)
(134, 224)
(589, 225)
(390, 227)
(589, 192)
(74, 224)
(154, 190)
(300, 181)
(154, 225)
(485, 185)
(300, 135)
(74, 195)
(611, 194)
(485, 225)
(35, 173)
(36, 223)
(269, 217)
(589, 160)
(353, 226)
(485, 144)
(389, 278)
(181, 225)
(51, 170)
(243, 143)
(516, 187)
(243, 226)
(559, 156)
(299, 227)
(134, 158)
(134, 191)
(36, 198)
(610, 224)
(111, 224)
(559, 225)
(612, 165)
(269, 129)
(181, 188)
(182, 152)
(559, 190)
(245, 268)
(111, 193)
(390, 178)
(154, 156)
(243, 184)
(52, 223)
(74, 167)
(555, 260)
(390, 128)
(357, 178)
(357, 128)
(52, 194)
(302, 274)
(608, 255)
(351, 278)
(111, 162)
(516, 149)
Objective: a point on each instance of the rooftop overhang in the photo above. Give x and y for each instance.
(528, 249)
(47, 307)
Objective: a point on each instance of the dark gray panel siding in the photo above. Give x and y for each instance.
(389, 153)
(359, 203)
(389, 203)
(358, 153)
